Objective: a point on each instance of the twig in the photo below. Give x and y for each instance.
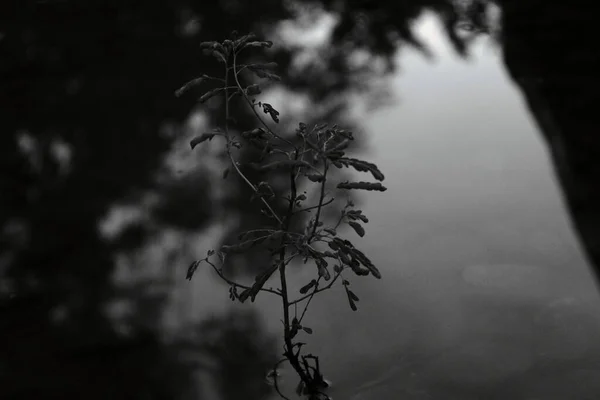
(237, 169)
(317, 206)
(235, 75)
(239, 285)
(275, 384)
(336, 276)
(321, 198)
(309, 299)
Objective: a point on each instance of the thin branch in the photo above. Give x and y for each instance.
(270, 231)
(321, 198)
(317, 206)
(318, 291)
(309, 299)
(275, 384)
(235, 75)
(289, 346)
(343, 214)
(237, 169)
(239, 285)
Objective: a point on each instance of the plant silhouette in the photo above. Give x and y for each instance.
(316, 150)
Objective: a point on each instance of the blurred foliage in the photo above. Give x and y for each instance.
(235, 346)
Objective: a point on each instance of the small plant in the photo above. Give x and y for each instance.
(306, 159)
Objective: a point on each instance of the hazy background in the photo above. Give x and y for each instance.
(485, 292)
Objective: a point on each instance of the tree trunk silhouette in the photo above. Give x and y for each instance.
(551, 55)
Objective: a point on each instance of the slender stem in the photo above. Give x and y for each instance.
(235, 75)
(309, 300)
(289, 346)
(239, 285)
(317, 206)
(322, 196)
(233, 162)
(340, 220)
(275, 384)
(317, 291)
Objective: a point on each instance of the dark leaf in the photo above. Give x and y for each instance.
(366, 262)
(191, 270)
(346, 134)
(335, 155)
(362, 185)
(208, 95)
(245, 235)
(265, 190)
(258, 44)
(336, 162)
(220, 55)
(362, 166)
(269, 65)
(268, 109)
(208, 45)
(237, 248)
(324, 272)
(374, 270)
(244, 295)
(357, 228)
(261, 280)
(307, 330)
(356, 214)
(261, 70)
(357, 269)
(315, 177)
(253, 90)
(199, 139)
(189, 85)
(352, 304)
(344, 257)
(284, 164)
(304, 289)
(257, 133)
(239, 43)
(320, 126)
(331, 231)
(293, 331)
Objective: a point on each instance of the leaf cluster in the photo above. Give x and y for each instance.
(307, 161)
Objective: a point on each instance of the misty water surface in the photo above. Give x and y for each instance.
(485, 292)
